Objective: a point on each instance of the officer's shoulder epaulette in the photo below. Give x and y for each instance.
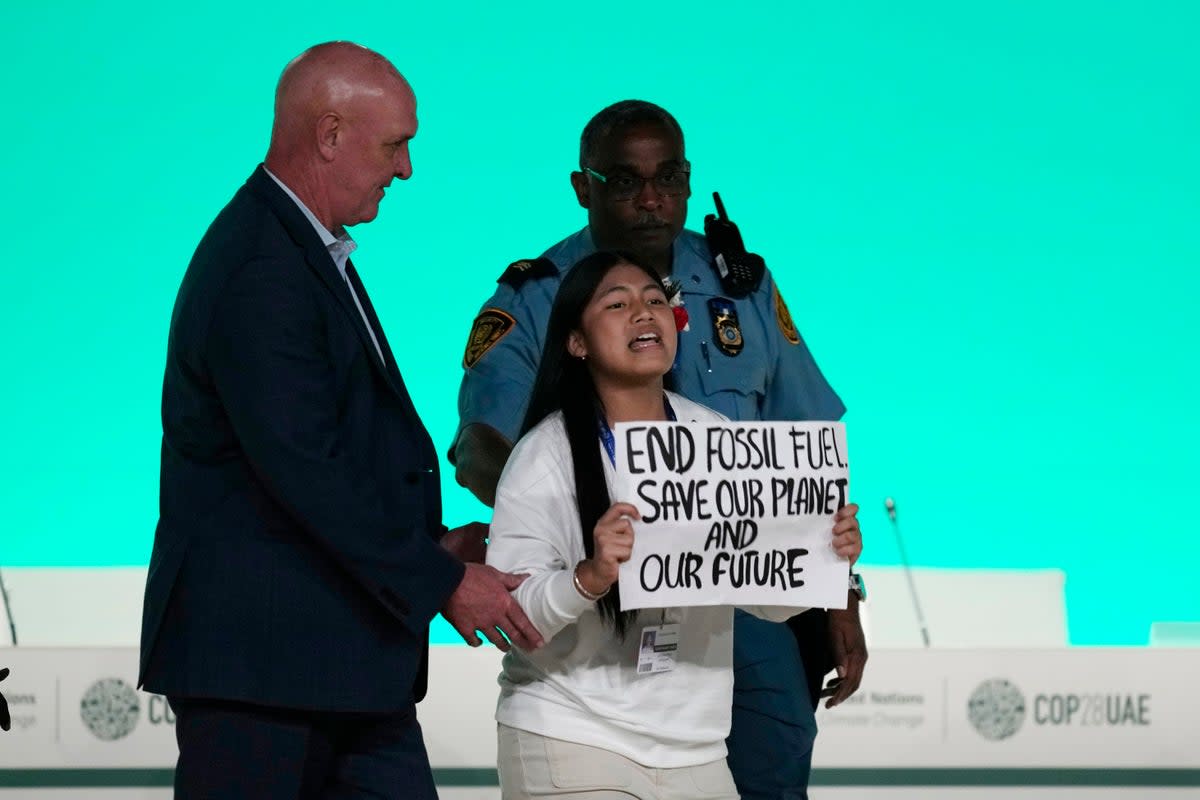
(527, 269)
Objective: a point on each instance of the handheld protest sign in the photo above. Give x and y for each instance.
(733, 513)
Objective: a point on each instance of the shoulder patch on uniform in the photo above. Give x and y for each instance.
(784, 318)
(520, 271)
(490, 326)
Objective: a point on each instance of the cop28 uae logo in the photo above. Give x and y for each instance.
(110, 709)
(996, 709)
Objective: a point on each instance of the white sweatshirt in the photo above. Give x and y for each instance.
(582, 685)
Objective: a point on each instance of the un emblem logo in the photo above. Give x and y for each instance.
(996, 709)
(110, 709)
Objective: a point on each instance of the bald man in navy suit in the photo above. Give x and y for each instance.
(300, 553)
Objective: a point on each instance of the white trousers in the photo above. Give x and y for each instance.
(535, 766)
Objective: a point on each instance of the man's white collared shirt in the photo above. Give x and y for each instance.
(339, 248)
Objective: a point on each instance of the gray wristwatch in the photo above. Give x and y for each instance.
(858, 586)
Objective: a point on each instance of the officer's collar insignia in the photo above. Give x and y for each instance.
(727, 334)
(527, 269)
(784, 318)
(490, 327)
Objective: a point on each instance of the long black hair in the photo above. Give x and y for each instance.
(564, 383)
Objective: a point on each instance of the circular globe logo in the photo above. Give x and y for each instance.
(996, 709)
(110, 709)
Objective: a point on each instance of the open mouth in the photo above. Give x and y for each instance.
(646, 341)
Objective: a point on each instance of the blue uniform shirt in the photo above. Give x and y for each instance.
(773, 376)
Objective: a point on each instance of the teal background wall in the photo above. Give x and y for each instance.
(983, 218)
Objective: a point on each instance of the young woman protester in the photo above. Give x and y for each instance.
(578, 718)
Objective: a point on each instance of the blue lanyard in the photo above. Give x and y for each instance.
(610, 441)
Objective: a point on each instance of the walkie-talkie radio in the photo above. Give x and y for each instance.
(740, 272)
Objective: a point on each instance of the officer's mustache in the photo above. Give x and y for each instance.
(646, 220)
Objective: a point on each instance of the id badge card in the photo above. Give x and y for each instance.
(659, 644)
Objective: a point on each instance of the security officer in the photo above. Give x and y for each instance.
(739, 355)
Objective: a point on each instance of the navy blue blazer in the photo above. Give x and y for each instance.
(296, 560)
